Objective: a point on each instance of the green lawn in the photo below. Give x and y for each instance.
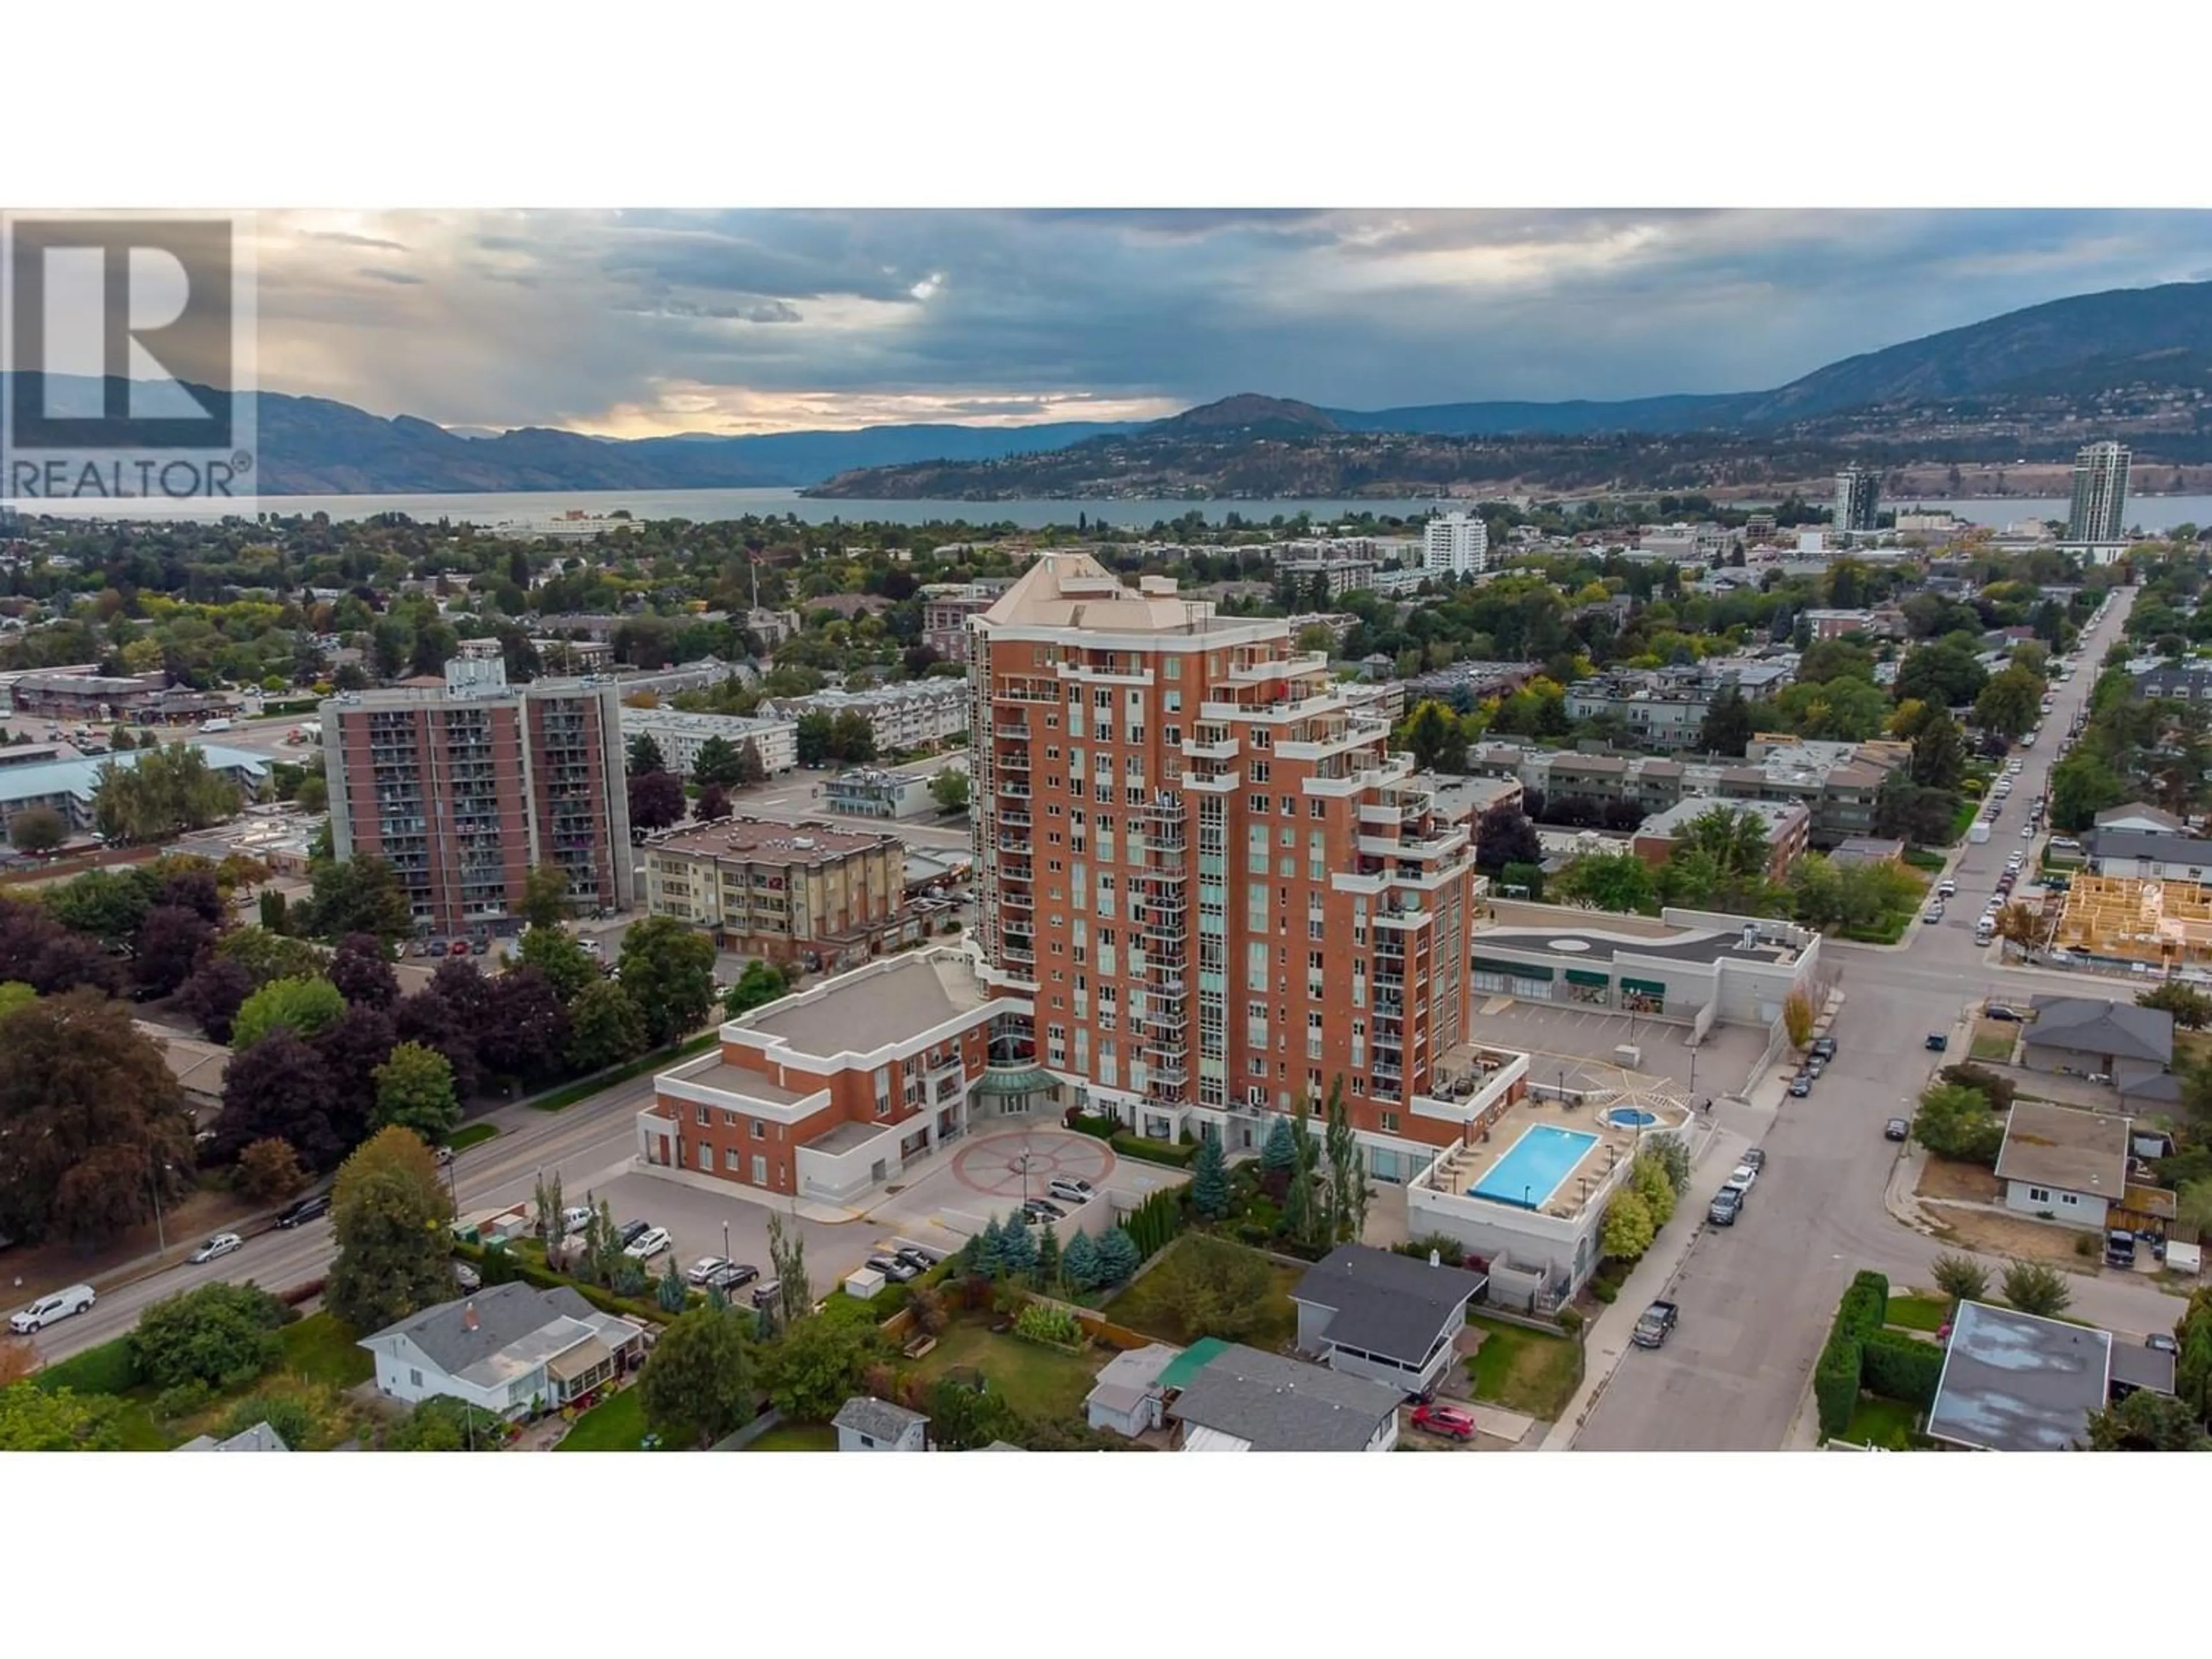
(1998, 1048)
(1890, 1424)
(475, 1135)
(139, 1432)
(617, 1424)
(1037, 1382)
(797, 1437)
(320, 1348)
(1141, 1309)
(1524, 1370)
(1919, 1313)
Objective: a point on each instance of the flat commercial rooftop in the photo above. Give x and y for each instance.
(888, 1001)
(1572, 943)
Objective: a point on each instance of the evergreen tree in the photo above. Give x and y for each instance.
(1344, 1175)
(1018, 1248)
(1118, 1257)
(1280, 1152)
(1209, 1180)
(986, 1254)
(1079, 1266)
(672, 1292)
(1047, 1258)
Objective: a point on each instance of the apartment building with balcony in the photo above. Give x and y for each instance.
(1203, 864)
(828, 1094)
(913, 714)
(464, 788)
(679, 736)
(784, 891)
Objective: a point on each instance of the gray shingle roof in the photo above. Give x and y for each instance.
(2143, 844)
(1284, 1405)
(1387, 1303)
(878, 1419)
(505, 1314)
(2091, 1025)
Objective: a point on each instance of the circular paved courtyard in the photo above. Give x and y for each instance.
(993, 1164)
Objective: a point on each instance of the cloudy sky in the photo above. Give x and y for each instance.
(640, 323)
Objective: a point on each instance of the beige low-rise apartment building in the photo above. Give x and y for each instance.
(784, 891)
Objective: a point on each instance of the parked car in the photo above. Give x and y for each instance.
(2162, 1341)
(1815, 1064)
(1937, 1042)
(1726, 1205)
(480, 946)
(1998, 1011)
(1067, 1187)
(892, 1268)
(631, 1231)
(305, 1209)
(62, 1304)
(767, 1293)
(1741, 1178)
(1652, 1329)
(915, 1257)
(1802, 1084)
(733, 1275)
(705, 1268)
(1933, 913)
(459, 947)
(1825, 1046)
(1040, 1209)
(1754, 1158)
(221, 1244)
(2027, 832)
(647, 1244)
(1447, 1420)
(1945, 887)
(576, 1218)
(467, 1278)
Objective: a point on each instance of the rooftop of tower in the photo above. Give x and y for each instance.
(1073, 590)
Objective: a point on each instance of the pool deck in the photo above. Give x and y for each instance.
(1462, 1170)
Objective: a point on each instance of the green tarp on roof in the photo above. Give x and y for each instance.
(1191, 1361)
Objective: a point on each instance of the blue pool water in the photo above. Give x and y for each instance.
(1533, 1165)
(1631, 1117)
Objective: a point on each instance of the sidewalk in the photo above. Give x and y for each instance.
(1605, 1340)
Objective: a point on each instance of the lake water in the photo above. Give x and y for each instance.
(2148, 512)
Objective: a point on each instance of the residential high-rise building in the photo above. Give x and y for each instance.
(2100, 494)
(1204, 869)
(1858, 500)
(1455, 544)
(463, 789)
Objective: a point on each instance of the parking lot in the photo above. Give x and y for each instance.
(1580, 1042)
(699, 1222)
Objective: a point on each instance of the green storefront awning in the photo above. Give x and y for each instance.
(1643, 987)
(1583, 976)
(1511, 969)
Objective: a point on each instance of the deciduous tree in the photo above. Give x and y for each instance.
(389, 1213)
(91, 1118)
(546, 895)
(554, 952)
(362, 972)
(415, 1091)
(169, 945)
(701, 1380)
(526, 1036)
(656, 800)
(1960, 1277)
(360, 895)
(302, 1007)
(669, 968)
(37, 830)
(220, 1334)
(269, 1172)
(32, 1419)
(1214, 1288)
(760, 983)
(605, 1027)
(814, 1366)
(2034, 1288)
(2148, 1421)
(213, 995)
(1628, 1230)
(949, 789)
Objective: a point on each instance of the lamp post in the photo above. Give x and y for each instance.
(154, 1186)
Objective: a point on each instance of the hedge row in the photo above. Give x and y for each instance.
(1901, 1367)
(1153, 1152)
(531, 1271)
(1098, 1125)
(1835, 1378)
(108, 1368)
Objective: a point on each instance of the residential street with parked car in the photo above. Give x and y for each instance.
(1757, 1294)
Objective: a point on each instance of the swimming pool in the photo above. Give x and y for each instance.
(1630, 1117)
(1534, 1165)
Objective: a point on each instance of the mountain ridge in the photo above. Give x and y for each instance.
(2070, 353)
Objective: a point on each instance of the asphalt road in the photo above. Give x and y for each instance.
(590, 1145)
(1757, 1298)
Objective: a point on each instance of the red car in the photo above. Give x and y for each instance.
(1447, 1420)
(461, 947)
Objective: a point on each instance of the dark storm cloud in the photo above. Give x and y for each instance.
(1356, 308)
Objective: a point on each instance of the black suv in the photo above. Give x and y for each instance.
(1726, 1205)
(305, 1209)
